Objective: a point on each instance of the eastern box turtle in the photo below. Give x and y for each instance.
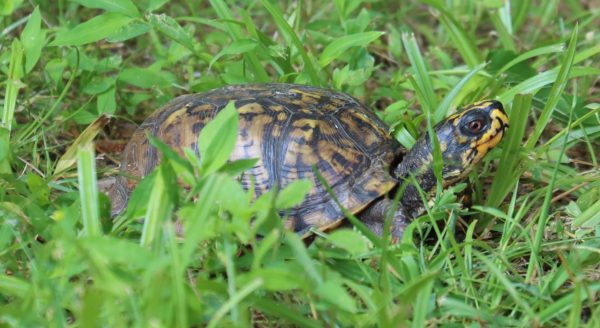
(292, 129)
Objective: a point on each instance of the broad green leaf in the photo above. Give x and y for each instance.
(171, 29)
(236, 48)
(98, 85)
(8, 6)
(276, 279)
(39, 188)
(129, 31)
(144, 78)
(106, 102)
(33, 39)
(125, 7)
(92, 30)
(349, 240)
(237, 167)
(139, 199)
(340, 45)
(333, 292)
(293, 194)
(155, 4)
(217, 139)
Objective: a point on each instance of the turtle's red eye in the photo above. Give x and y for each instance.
(475, 126)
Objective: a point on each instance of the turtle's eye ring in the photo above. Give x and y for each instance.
(475, 126)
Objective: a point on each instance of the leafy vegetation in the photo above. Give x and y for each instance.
(526, 253)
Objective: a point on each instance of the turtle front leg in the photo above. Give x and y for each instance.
(374, 217)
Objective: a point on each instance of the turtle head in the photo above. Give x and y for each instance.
(464, 139)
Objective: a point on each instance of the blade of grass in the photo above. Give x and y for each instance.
(159, 207)
(280, 310)
(236, 34)
(442, 109)
(508, 170)
(233, 301)
(575, 315)
(590, 217)
(556, 91)
(428, 99)
(507, 284)
(13, 84)
(554, 48)
(537, 82)
(286, 29)
(340, 45)
(502, 22)
(31, 129)
(227, 258)
(177, 282)
(556, 307)
(302, 257)
(534, 260)
(463, 43)
(423, 301)
(88, 190)
(14, 286)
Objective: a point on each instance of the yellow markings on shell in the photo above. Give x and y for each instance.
(362, 127)
(276, 132)
(282, 116)
(328, 151)
(303, 123)
(277, 108)
(328, 129)
(251, 108)
(249, 144)
(306, 97)
(174, 116)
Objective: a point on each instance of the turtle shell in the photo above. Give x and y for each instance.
(290, 129)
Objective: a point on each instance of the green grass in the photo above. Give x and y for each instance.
(527, 253)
